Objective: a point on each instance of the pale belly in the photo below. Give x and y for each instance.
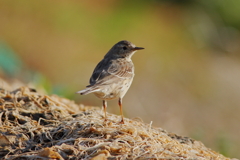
(115, 90)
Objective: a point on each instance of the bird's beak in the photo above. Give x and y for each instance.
(137, 48)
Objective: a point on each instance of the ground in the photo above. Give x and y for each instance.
(34, 125)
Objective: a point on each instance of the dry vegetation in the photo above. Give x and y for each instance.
(38, 126)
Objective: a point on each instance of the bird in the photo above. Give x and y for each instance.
(113, 75)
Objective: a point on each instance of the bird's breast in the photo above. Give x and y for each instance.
(114, 90)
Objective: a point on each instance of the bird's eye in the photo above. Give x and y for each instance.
(124, 48)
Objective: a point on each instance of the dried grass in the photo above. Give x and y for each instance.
(37, 126)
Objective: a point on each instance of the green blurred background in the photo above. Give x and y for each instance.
(187, 79)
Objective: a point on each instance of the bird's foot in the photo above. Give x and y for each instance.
(105, 120)
(121, 122)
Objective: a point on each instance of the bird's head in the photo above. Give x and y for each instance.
(123, 49)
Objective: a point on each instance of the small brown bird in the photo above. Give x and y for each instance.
(113, 75)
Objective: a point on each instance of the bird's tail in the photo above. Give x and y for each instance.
(87, 91)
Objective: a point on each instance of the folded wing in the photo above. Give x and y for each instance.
(108, 72)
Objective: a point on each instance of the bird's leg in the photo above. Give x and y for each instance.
(120, 105)
(105, 108)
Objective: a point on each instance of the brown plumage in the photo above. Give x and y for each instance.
(113, 75)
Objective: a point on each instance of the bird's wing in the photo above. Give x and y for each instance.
(108, 72)
(99, 72)
(121, 69)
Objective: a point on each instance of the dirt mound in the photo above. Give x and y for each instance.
(38, 126)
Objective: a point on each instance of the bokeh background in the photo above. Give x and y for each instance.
(187, 79)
